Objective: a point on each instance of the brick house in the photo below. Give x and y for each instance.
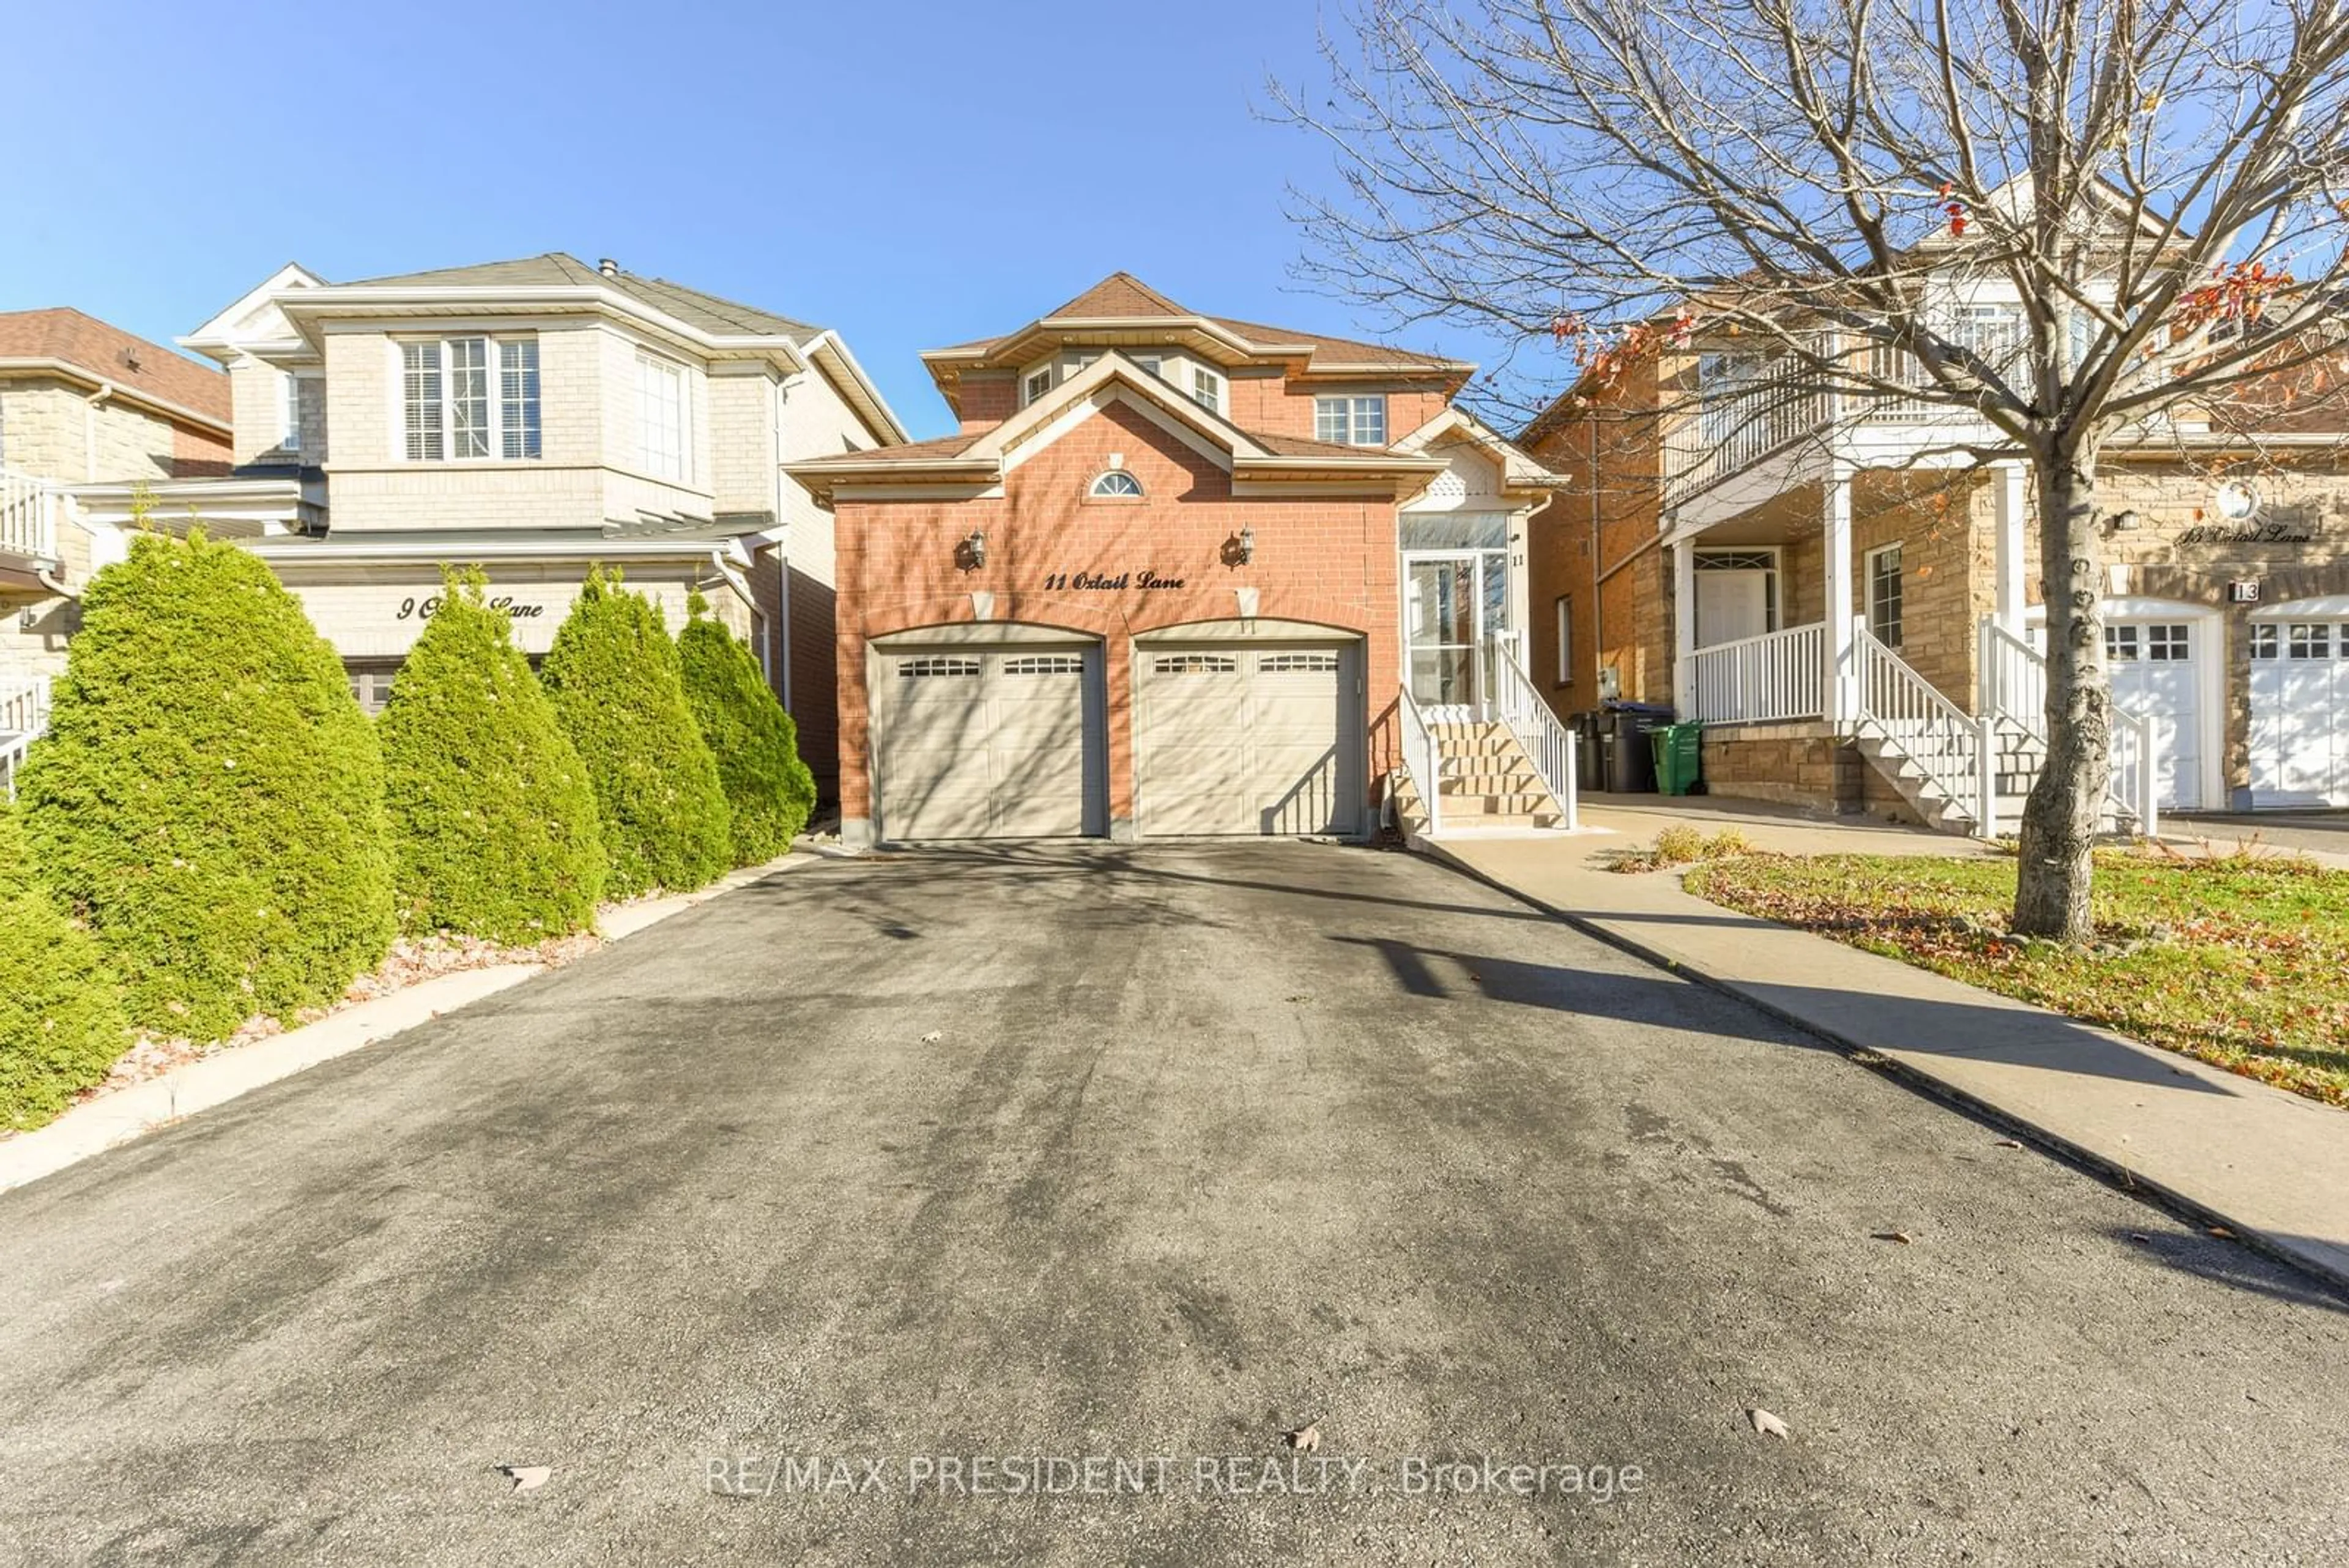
(1175, 574)
(80, 400)
(535, 417)
(1853, 608)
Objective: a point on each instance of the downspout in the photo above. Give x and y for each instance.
(782, 628)
(89, 429)
(1597, 614)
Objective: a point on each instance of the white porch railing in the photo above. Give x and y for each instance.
(1420, 760)
(28, 517)
(24, 715)
(1953, 748)
(1780, 675)
(1549, 743)
(1741, 422)
(2014, 682)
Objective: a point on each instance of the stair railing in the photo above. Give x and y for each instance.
(1953, 748)
(1547, 742)
(24, 715)
(2012, 678)
(1420, 757)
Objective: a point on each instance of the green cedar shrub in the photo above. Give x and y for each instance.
(612, 673)
(61, 1021)
(208, 798)
(493, 821)
(757, 745)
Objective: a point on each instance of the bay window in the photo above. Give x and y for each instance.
(448, 412)
(662, 416)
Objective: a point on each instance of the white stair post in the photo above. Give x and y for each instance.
(1986, 774)
(1843, 703)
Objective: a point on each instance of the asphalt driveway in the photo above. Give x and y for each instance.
(1017, 1159)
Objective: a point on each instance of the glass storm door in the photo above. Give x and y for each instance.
(1455, 609)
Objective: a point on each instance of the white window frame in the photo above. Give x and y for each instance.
(1869, 578)
(1152, 363)
(1360, 418)
(1099, 489)
(1565, 640)
(651, 370)
(1031, 391)
(1207, 389)
(499, 423)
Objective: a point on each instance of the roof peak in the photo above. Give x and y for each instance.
(1121, 293)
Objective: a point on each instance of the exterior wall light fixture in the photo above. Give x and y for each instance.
(1240, 548)
(2127, 523)
(971, 554)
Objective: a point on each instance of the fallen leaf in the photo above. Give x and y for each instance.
(1305, 1439)
(932, 1037)
(528, 1478)
(2141, 1238)
(2223, 1232)
(2006, 1143)
(1900, 1236)
(1766, 1423)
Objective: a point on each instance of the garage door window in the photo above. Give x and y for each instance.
(935, 668)
(1195, 664)
(1045, 664)
(1297, 664)
(2120, 642)
(2310, 639)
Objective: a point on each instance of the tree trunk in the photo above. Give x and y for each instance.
(2060, 819)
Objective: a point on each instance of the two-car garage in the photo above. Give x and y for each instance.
(1237, 729)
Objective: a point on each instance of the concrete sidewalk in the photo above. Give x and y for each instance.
(2270, 1166)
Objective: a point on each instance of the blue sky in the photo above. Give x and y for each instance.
(915, 175)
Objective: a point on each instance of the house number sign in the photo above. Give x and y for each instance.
(2249, 534)
(1104, 581)
(414, 609)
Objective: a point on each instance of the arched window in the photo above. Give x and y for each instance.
(1117, 485)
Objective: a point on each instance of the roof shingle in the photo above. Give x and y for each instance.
(705, 312)
(112, 354)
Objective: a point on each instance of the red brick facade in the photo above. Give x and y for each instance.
(1330, 560)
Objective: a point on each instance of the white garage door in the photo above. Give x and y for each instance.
(2157, 670)
(2299, 713)
(1237, 740)
(983, 743)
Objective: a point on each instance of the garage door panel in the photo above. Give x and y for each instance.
(1242, 740)
(2299, 713)
(984, 745)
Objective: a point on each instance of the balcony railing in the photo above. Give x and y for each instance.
(1778, 675)
(1739, 421)
(24, 715)
(28, 517)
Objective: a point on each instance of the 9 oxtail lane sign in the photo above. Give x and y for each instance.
(1106, 582)
(413, 609)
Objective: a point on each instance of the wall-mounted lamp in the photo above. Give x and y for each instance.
(971, 554)
(2123, 523)
(1240, 548)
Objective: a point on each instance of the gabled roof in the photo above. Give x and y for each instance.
(556, 269)
(72, 340)
(1121, 309)
(983, 456)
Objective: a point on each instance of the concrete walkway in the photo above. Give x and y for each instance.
(2270, 1166)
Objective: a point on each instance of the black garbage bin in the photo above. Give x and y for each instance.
(1630, 756)
(1590, 766)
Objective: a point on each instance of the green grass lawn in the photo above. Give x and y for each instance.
(2242, 962)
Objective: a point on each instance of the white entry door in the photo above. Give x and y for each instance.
(1246, 741)
(973, 743)
(2155, 667)
(1733, 595)
(2299, 711)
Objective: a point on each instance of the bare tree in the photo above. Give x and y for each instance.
(2164, 183)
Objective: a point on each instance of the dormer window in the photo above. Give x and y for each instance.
(1038, 385)
(1351, 422)
(1117, 484)
(1206, 389)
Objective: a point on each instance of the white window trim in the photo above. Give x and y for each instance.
(1214, 386)
(494, 367)
(1093, 491)
(1031, 393)
(684, 471)
(1350, 409)
(1868, 586)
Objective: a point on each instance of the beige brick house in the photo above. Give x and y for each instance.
(536, 417)
(80, 400)
(1852, 606)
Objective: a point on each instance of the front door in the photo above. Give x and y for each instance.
(1733, 596)
(1455, 618)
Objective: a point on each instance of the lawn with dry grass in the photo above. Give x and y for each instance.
(2239, 960)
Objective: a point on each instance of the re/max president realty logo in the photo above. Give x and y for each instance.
(1094, 1476)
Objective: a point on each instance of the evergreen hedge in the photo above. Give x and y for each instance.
(612, 673)
(208, 797)
(757, 745)
(61, 1021)
(493, 821)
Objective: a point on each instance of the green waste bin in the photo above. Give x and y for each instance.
(1680, 756)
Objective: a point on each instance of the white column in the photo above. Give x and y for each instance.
(1684, 629)
(2011, 510)
(1843, 686)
